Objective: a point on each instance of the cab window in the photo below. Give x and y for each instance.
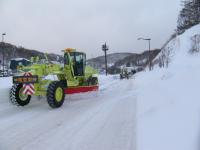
(79, 58)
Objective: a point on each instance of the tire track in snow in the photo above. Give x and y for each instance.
(79, 124)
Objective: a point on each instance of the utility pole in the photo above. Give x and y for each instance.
(105, 49)
(149, 58)
(150, 65)
(3, 34)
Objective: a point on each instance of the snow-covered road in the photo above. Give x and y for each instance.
(103, 120)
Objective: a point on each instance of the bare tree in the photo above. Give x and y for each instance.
(195, 41)
(165, 57)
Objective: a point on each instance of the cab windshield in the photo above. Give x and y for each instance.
(79, 62)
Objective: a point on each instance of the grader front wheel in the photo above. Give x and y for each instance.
(93, 81)
(55, 94)
(17, 97)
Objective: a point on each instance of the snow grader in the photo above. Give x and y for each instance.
(43, 78)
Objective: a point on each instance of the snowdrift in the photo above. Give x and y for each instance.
(169, 100)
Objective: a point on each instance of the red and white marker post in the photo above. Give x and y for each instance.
(28, 87)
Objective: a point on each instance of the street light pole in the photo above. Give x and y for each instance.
(3, 34)
(149, 42)
(105, 49)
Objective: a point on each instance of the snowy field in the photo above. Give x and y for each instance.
(103, 120)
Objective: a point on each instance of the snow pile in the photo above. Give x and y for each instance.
(106, 82)
(168, 101)
(5, 85)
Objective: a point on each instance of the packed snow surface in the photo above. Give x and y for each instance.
(103, 120)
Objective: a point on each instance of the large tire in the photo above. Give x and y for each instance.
(92, 81)
(55, 94)
(121, 77)
(16, 96)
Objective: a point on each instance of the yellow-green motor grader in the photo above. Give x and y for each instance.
(43, 78)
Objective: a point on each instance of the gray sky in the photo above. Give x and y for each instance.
(52, 25)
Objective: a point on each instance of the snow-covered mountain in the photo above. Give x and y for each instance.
(116, 60)
(98, 62)
(11, 51)
(138, 59)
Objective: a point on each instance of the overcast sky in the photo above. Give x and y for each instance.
(52, 25)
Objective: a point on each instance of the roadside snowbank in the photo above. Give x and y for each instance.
(5, 85)
(169, 101)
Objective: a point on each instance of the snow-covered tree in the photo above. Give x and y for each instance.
(165, 57)
(189, 15)
(195, 41)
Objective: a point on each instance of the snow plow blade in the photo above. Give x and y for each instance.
(81, 89)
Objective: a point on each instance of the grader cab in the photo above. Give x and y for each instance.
(53, 80)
